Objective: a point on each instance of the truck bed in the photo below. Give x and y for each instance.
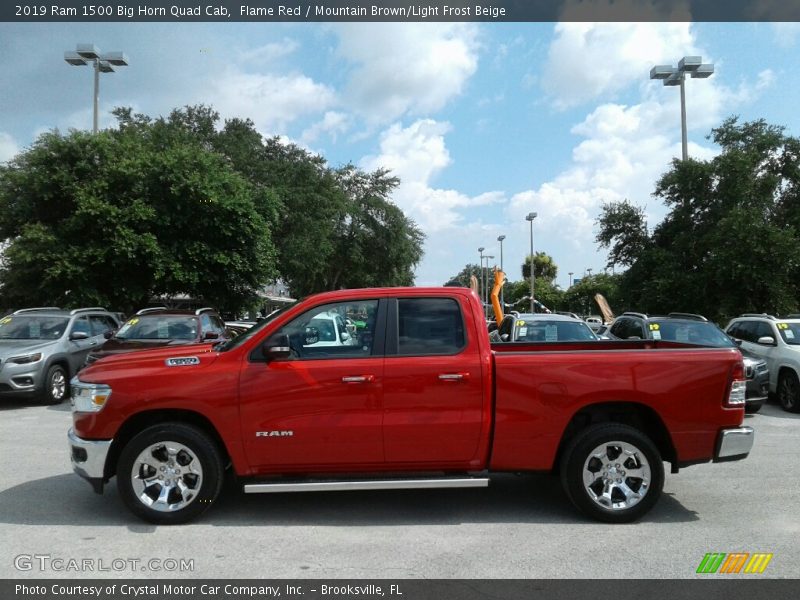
(682, 385)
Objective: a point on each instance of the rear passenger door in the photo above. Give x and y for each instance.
(433, 393)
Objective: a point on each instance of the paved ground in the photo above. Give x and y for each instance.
(521, 527)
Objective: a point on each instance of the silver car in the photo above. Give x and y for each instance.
(42, 348)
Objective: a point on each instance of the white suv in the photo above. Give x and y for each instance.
(777, 341)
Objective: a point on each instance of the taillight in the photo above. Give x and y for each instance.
(738, 386)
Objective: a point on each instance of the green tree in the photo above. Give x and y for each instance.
(579, 298)
(334, 228)
(118, 217)
(544, 267)
(729, 242)
(623, 230)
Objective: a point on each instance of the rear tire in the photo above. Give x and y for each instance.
(789, 391)
(612, 473)
(753, 407)
(170, 473)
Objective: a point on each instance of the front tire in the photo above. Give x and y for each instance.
(56, 385)
(170, 473)
(789, 391)
(612, 473)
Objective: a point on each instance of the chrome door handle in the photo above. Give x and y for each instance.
(358, 379)
(453, 376)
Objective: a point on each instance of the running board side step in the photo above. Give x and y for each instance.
(371, 484)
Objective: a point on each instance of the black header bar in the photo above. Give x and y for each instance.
(264, 11)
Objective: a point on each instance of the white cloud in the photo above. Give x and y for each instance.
(8, 147)
(404, 68)
(589, 60)
(271, 52)
(332, 124)
(786, 34)
(272, 101)
(416, 154)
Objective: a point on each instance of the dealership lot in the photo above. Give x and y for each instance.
(521, 527)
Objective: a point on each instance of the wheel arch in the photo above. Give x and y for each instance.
(138, 422)
(634, 414)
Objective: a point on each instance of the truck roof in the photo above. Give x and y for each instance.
(393, 291)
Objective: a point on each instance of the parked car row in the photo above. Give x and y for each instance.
(776, 341)
(42, 348)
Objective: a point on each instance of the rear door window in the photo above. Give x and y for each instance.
(429, 326)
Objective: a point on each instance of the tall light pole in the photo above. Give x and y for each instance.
(103, 63)
(488, 283)
(502, 298)
(677, 76)
(483, 285)
(589, 271)
(530, 217)
(570, 278)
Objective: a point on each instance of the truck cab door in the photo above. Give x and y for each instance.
(320, 407)
(434, 405)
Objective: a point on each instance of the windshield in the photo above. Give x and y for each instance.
(240, 339)
(159, 327)
(699, 332)
(790, 332)
(552, 331)
(15, 327)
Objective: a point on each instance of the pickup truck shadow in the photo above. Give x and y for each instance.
(66, 500)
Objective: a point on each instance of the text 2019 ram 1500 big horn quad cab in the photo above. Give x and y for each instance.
(421, 400)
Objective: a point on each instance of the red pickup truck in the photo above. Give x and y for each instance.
(401, 388)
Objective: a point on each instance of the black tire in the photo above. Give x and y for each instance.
(579, 454)
(56, 385)
(753, 407)
(789, 391)
(198, 447)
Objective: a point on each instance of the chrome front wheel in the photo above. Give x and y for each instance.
(167, 476)
(170, 473)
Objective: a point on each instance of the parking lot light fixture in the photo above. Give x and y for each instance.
(502, 300)
(530, 217)
(676, 76)
(86, 54)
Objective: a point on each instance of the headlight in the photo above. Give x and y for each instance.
(89, 397)
(27, 358)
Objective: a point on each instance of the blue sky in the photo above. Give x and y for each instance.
(483, 123)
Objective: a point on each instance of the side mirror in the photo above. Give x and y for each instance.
(311, 336)
(211, 335)
(109, 334)
(82, 335)
(277, 347)
(767, 340)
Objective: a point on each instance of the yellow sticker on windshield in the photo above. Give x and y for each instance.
(6, 320)
(520, 323)
(133, 321)
(654, 327)
(783, 326)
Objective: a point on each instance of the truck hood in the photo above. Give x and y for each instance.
(117, 346)
(9, 348)
(143, 362)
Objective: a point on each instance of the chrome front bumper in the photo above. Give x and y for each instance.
(88, 458)
(734, 444)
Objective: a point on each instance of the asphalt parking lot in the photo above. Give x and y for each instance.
(520, 527)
